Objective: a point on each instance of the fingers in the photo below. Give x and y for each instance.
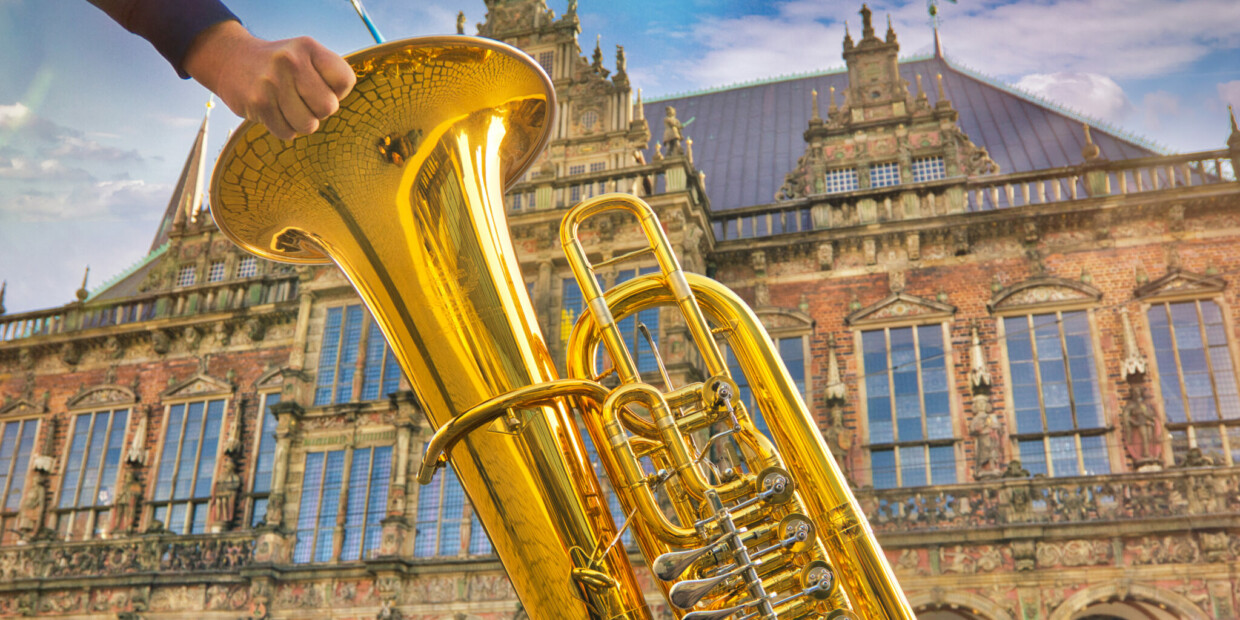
(334, 70)
(306, 83)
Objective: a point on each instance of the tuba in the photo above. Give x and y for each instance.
(403, 190)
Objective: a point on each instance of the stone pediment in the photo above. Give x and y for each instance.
(21, 407)
(1176, 283)
(102, 395)
(900, 307)
(784, 319)
(198, 385)
(1043, 291)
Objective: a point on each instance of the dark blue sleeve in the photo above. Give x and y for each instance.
(170, 25)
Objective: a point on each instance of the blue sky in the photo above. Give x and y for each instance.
(94, 125)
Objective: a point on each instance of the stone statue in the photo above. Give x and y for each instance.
(987, 431)
(125, 510)
(839, 438)
(1015, 470)
(460, 22)
(30, 519)
(621, 62)
(671, 133)
(1142, 429)
(224, 499)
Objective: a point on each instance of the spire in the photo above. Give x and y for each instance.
(187, 195)
(831, 103)
(1133, 364)
(640, 113)
(82, 293)
(3, 285)
(938, 43)
(867, 26)
(816, 116)
(921, 94)
(848, 42)
(891, 33)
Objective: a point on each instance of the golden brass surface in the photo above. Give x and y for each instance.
(403, 190)
(840, 533)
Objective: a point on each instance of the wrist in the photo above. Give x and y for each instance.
(208, 55)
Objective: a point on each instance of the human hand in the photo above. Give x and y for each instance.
(288, 86)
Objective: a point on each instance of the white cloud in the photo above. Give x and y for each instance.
(1159, 106)
(1229, 92)
(1089, 93)
(11, 116)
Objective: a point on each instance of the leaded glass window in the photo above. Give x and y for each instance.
(17, 439)
(186, 275)
(186, 465)
(320, 505)
(215, 272)
(366, 501)
(884, 174)
(264, 459)
(928, 169)
(792, 352)
(441, 514)
(907, 406)
(347, 372)
(841, 180)
(639, 346)
(91, 469)
(1196, 379)
(1055, 394)
(247, 267)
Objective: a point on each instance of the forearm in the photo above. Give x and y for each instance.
(170, 26)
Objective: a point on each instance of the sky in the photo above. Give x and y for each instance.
(95, 125)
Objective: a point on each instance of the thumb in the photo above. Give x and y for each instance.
(334, 70)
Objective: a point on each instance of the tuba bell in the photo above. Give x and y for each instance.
(403, 190)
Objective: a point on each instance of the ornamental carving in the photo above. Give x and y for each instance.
(1179, 282)
(429, 589)
(1043, 291)
(1074, 553)
(900, 306)
(102, 395)
(196, 386)
(490, 588)
(1165, 550)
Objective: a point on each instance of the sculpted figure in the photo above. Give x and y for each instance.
(1142, 431)
(224, 499)
(671, 133)
(125, 509)
(988, 432)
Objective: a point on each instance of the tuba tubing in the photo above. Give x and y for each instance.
(403, 190)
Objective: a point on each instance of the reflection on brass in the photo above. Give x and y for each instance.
(419, 228)
(402, 189)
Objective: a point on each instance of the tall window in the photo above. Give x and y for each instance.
(16, 443)
(907, 407)
(264, 460)
(324, 496)
(441, 512)
(1055, 396)
(842, 180)
(792, 352)
(1196, 378)
(343, 368)
(639, 347)
(547, 61)
(884, 174)
(187, 465)
(570, 307)
(90, 475)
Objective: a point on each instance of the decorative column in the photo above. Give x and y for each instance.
(396, 524)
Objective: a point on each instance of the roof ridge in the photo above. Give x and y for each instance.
(130, 270)
(768, 80)
(1094, 122)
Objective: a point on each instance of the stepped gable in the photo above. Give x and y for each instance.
(747, 137)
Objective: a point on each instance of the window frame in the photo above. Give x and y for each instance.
(150, 505)
(954, 406)
(853, 180)
(1223, 424)
(7, 515)
(94, 512)
(187, 275)
(1105, 415)
(253, 497)
(466, 523)
(357, 382)
(339, 526)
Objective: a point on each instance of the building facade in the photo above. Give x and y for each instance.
(1017, 334)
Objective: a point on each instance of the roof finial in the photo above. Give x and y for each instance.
(939, 78)
(1090, 151)
(641, 110)
(1133, 364)
(921, 94)
(1233, 140)
(831, 105)
(814, 104)
(82, 293)
(938, 43)
(891, 33)
(848, 42)
(3, 285)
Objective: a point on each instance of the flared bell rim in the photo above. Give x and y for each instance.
(307, 253)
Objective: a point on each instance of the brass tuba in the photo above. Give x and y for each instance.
(402, 189)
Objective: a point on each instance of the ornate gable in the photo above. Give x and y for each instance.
(1178, 283)
(1043, 291)
(198, 385)
(22, 407)
(900, 307)
(776, 319)
(101, 396)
